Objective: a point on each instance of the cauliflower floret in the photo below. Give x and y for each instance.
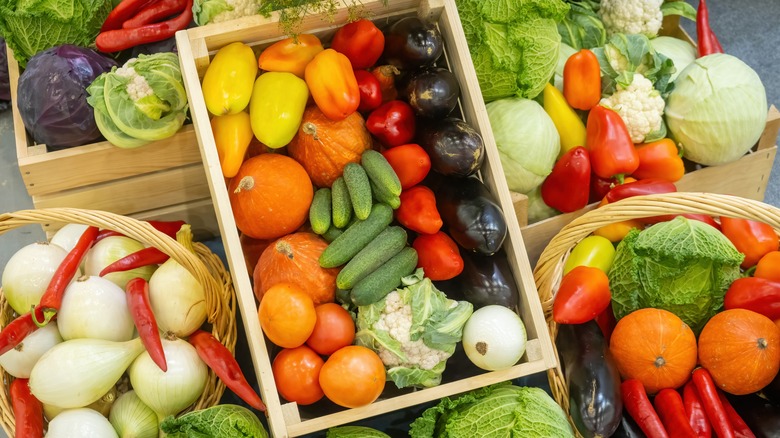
(396, 319)
(218, 11)
(632, 16)
(138, 87)
(640, 106)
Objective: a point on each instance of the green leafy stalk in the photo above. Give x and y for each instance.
(293, 12)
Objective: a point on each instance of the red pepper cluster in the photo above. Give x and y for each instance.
(136, 22)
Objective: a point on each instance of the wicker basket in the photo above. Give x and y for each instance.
(549, 269)
(206, 267)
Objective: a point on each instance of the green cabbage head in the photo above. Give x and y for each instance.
(527, 141)
(683, 266)
(717, 109)
(681, 52)
(223, 421)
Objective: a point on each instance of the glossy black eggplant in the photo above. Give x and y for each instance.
(485, 280)
(411, 42)
(762, 416)
(471, 214)
(432, 92)
(628, 428)
(592, 377)
(455, 148)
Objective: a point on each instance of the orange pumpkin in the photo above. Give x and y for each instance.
(294, 259)
(270, 196)
(654, 346)
(741, 349)
(324, 146)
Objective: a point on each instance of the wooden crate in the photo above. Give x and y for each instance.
(161, 180)
(196, 47)
(746, 177)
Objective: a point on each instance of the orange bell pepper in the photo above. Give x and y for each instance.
(659, 160)
(617, 231)
(582, 80)
(289, 55)
(332, 84)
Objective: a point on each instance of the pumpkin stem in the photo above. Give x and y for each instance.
(285, 249)
(246, 183)
(659, 362)
(762, 344)
(311, 129)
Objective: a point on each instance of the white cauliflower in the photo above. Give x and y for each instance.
(138, 87)
(632, 16)
(218, 11)
(640, 106)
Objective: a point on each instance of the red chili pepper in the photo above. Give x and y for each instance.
(567, 187)
(28, 411)
(640, 187)
(169, 228)
(607, 322)
(14, 333)
(370, 91)
(706, 40)
(697, 417)
(637, 404)
(438, 255)
(121, 39)
(769, 266)
(693, 216)
(153, 12)
(752, 238)
(669, 406)
(392, 123)
(224, 365)
(418, 212)
(612, 153)
(361, 41)
(754, 293)
(660, 159)
(741, 429)
(52, 297)
(583, 295)
(144, 257)
(410, 162)
(582, 80)
(125, 10)
(708, 393)
(141, 310)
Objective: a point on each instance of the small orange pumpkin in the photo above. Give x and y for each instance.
(654, 346)
(324, 146)
(294, 259)
(741, 349)
(270, 196)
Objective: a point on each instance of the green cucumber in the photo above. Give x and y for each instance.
(320, 211)
(332, 233)
(342, 206)
(359, 189)
(385, 279)
(356, 237)
(381, 172)
(387, 244)
(382, 195)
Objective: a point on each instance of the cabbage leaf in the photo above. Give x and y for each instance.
(223, 421)
(354, 432)
(626, 54)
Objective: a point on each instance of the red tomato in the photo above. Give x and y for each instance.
(334, 329)
(370, 91)
(353, 376)
(752, 238)
(361, 41)
(297, 373)
(410, 162)
(438, 255)
(583, 295)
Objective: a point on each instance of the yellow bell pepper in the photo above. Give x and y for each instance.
(617, 231)
(232, 135)
(227, 84)
(290, 54)
(570, 127)
(276, 108)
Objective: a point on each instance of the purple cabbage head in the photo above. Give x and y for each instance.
(5, 82)
(53, 98)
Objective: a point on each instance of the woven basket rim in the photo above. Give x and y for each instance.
(549, 269)
(204, 265)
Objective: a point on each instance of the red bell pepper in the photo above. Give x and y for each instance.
(599, 187)
(370, 91)
(120, 39)
(361, 41)
(28, 411)
(640, 187)
(392, 123)
(583, 294)
(741, 429)
(637, 404)
(708, 393)
(697, 417)
(752, 238)
(140, 308)
(418, 212)
(438, 255)
(769, 266)
(754, 293)
(669, 406)
(707, 42)
(410, 162)
(612, 153)
(567, 187)
(144, 257)
(582, 80)
(661, 160)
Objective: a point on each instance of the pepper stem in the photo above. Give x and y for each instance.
(48, 314)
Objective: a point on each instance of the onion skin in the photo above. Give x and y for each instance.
(111, 249)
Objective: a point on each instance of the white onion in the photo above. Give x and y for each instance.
(101, 405)
(94, 307)
(78, 372)
(178, 299)
(169, 392)
(111, 249)
(131, 418)
(81, 423)
(494, 338)
(19, 361)
(67, 236)
(28, 273)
